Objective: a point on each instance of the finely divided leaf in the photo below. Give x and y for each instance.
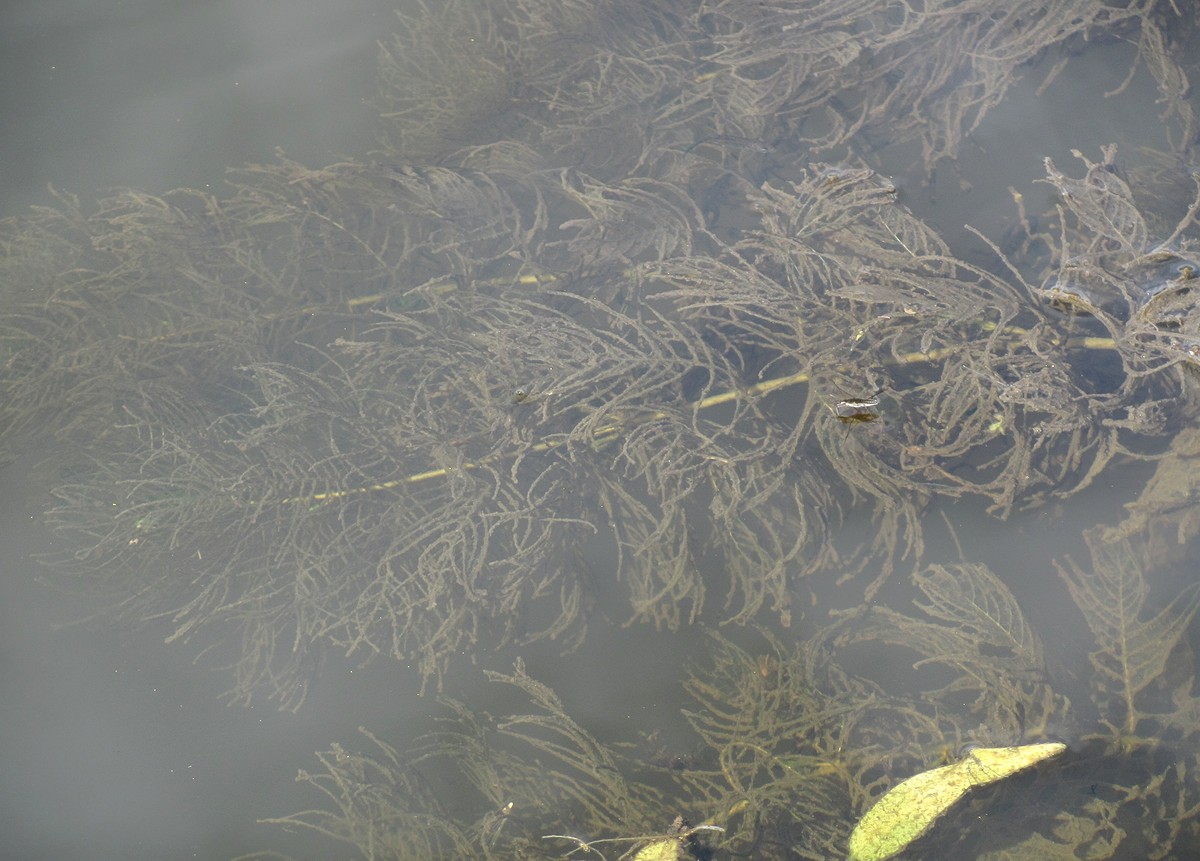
(1131, 653)
(982, 610)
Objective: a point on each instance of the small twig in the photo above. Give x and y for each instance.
(580, 844)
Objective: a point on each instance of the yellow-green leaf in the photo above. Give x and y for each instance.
(667, 849)
(908, 809)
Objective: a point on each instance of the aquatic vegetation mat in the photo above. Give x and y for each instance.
(789, 749)
(624, 321)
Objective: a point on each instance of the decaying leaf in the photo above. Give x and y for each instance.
(667, 849)
(910, 808)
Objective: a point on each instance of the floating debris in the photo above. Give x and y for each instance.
(857, 410)
(910, 808)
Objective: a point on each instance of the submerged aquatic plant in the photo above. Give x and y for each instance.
(611, 290)
(381, 407)
(439, 443)
(790, 748)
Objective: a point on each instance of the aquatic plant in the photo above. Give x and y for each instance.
(612, 287)
(790, 745)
